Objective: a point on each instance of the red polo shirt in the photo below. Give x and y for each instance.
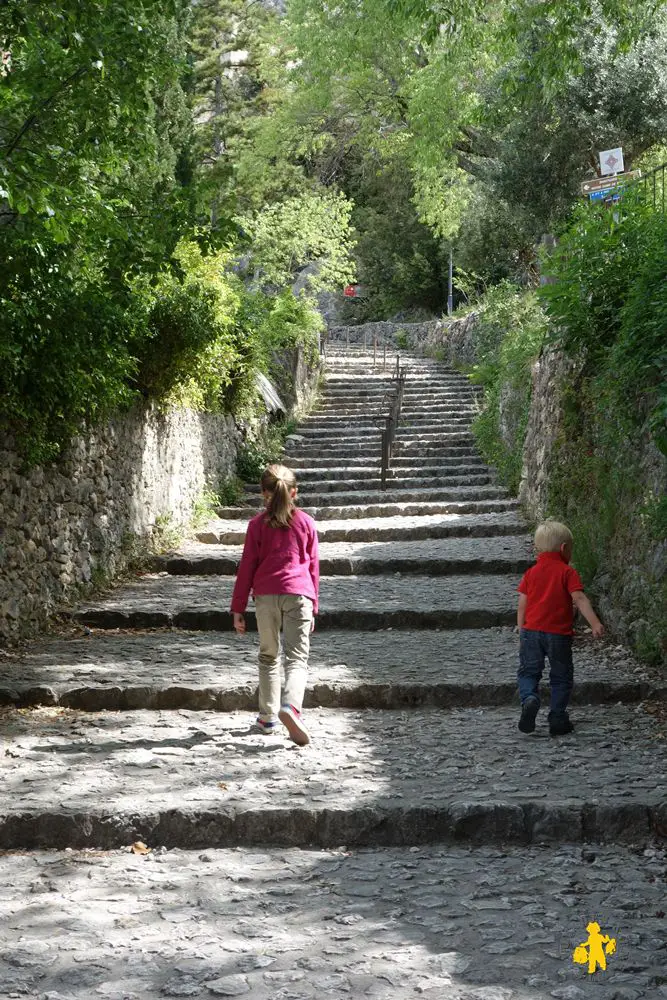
(549, 586)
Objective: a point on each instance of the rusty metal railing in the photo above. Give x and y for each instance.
(652, 186)
(391, 422)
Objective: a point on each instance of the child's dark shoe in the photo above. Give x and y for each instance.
(560, 725)
(529, 710)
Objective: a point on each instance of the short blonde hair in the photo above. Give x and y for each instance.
(551, 535)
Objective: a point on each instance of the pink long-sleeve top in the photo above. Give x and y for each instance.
(278, 561)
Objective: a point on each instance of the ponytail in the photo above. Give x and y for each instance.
(279, 481)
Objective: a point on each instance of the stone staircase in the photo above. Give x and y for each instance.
(419, 845)
(411, 699)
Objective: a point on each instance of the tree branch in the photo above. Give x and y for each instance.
(32, 119)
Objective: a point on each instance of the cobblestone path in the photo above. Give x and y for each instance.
(419, 846)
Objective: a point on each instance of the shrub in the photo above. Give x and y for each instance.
(187, 350)
(509, 336)
(65, 349)
(252, 459)
(609, 308)
(609, 304)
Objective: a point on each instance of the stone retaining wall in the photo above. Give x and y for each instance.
(550, 373)
(72, 522)
(77, 521)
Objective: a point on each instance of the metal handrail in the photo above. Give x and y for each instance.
(652, 185)
(378, 341)
(391, 423)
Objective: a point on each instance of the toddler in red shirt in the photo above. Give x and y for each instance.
(548, 594)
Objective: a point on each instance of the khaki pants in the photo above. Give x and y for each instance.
(294, 614)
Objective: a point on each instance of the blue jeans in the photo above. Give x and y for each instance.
(533, 648)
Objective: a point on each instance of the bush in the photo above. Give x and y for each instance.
(65, 349)
(509, 335)
(292, 322)
(609, 309)
(188, 350)
(252, 459)
(609, 304)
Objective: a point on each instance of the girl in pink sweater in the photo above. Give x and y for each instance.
(280, 566)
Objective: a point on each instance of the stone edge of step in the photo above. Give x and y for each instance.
(380, 825)
(364, 620)
(358, 695)
(219, 565)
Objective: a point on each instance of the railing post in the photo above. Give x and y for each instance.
(347, 337)
(384, 357)
(375, 350)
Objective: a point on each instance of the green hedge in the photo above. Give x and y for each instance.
(509, 335)
(609, 309)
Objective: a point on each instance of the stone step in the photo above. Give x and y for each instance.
(351, 433)
(364, 387)
(390, 922)
(370, 372)
(202, 780)
(201, 603)
(370, 428)
(371, 456)
(119, 671)
(452, 556)
(318, 421)
(401, 496)
(428, 526)
(347, 397)
(438, 478)
(371, 375)
(370, 442)
(418, 401)
(399, 462)
(335, 415)
(370, 471)
(382, 509)
(423, 436)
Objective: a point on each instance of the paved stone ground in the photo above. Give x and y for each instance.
(393, 669)
(437, 557)
(474, 601)
(145, 735)
(395, 528)
(454, 924)
(371, 498)
(202, 778)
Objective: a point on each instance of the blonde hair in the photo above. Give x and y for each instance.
(278, 481)
(551, 535)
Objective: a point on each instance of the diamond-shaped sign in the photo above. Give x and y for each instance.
(611, 161)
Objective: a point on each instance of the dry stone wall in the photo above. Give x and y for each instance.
(78, 520)
(64, 525)
(551, 372)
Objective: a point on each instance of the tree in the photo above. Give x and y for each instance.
(226, 40)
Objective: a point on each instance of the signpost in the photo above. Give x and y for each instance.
(604, 188)
(611, 161)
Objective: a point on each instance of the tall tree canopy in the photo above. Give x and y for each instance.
(493, 111)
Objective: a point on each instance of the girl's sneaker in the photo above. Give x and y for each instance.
(266, 727)
(291, 719)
